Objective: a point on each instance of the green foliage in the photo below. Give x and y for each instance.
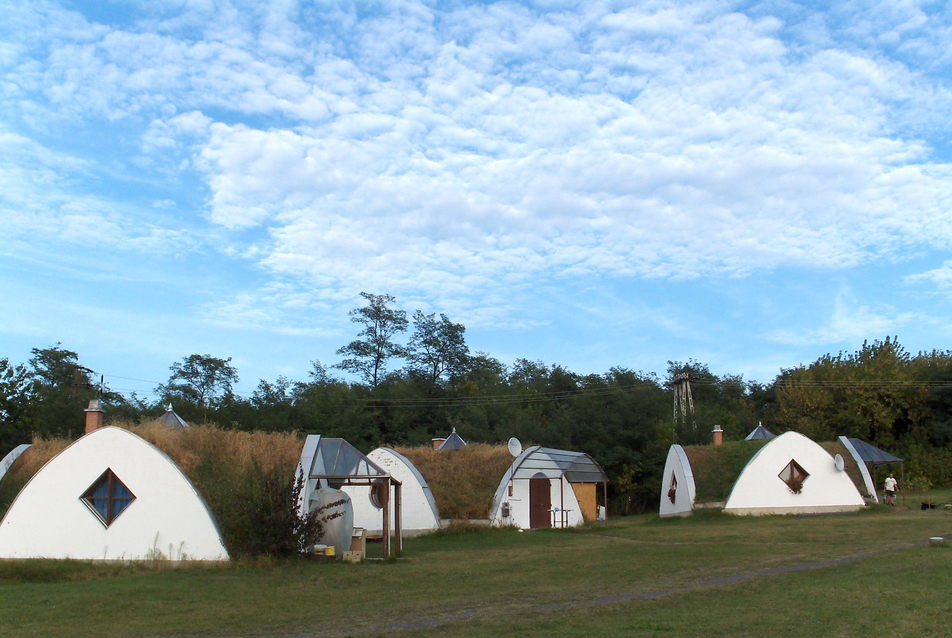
(14, 404)
(368, 356)
(717, 468)
(257, 509)
(623, 418)
(881, 394)
(199, 382)
(437, 347)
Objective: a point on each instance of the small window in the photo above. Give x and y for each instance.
(108, 497)
(793, 475)
(673, 490)
(376, 494)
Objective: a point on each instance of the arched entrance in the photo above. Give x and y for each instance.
(540, 502)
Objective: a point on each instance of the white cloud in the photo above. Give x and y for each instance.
(851, 321)
(940, 277)
(457, 154)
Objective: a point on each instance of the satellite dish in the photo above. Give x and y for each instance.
(838, 462)
(515, 447)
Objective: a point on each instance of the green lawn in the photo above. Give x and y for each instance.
(710, 575)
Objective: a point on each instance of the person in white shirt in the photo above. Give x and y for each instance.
(891, 485)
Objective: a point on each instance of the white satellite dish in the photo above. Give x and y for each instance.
(515, 447)
(838, 462)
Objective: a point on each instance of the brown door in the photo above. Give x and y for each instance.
(540, 502)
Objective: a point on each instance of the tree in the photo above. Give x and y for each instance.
(868, 394)
(368, 356)
(14, 402)
(60, 389)
(201, 380)
(437, 347)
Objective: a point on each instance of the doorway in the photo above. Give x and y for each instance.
(540, 502)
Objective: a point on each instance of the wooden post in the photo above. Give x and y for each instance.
(397, 517)
(385, 497)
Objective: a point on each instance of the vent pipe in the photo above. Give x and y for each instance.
(94, 415)
(717, 435)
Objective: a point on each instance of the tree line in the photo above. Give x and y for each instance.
(408, 391)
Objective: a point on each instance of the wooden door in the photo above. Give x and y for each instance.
(540, 502)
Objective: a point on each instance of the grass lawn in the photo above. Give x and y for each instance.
(709, 575)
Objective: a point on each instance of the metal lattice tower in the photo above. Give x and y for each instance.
(683, 412)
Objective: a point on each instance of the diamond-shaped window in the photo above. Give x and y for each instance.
(793, 475)
(108, 497)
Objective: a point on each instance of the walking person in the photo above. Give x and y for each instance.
(891, 486)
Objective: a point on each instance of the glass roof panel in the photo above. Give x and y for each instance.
(578, 467)
(337, 457)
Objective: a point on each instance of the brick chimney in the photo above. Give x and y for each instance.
(93, 416)
(437, 443)
(717, 435)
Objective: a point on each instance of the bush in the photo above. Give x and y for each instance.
(258, 513)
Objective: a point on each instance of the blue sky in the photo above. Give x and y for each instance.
(590, 184)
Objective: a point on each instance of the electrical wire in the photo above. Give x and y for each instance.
(560, 395)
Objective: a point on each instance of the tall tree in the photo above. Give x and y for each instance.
(14, 403)
(368, 354)
(200, 380)
(437, 347)
(869, 393)
(60, 389)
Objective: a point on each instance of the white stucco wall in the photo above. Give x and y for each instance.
(561, 493)
(418, 508)
(759, 490)
(678, 466)
(168, 517)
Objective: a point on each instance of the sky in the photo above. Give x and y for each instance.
(587, 184)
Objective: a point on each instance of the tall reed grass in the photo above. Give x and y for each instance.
(462, 481)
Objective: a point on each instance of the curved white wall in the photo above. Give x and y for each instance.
(561, 494)
(863, 470)
(677, 467)
(418, 508)
(11, 458)
(759, 489)
(168, 517)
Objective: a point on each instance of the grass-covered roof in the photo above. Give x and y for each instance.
(717, 467)
(462, 481)
(243, 476)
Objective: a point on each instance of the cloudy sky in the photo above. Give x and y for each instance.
(590, 184)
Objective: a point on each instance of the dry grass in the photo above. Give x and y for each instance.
(28, 464)
(463, 481)
(41, 450)
(852, 470)
(190, 447)
(241, 475)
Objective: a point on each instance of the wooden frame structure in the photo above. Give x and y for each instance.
(333, 462)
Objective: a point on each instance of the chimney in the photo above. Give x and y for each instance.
(93, 416)
(437, 443)
(717, 435)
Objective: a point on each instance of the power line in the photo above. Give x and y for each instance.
(559, 395)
